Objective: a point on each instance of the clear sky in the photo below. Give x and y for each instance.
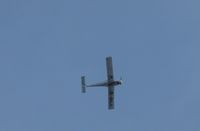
(46, 45)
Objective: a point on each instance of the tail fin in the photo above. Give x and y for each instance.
(83, 84)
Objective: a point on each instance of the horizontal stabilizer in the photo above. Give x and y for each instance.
(83, 84)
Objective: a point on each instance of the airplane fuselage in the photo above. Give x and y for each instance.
(107, 84)
(114, 83)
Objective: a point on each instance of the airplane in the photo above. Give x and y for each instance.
(110, 83)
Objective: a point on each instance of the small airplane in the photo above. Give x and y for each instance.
(110, 83)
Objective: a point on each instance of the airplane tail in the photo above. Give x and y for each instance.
(83, 84)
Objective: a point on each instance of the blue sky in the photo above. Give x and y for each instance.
(46, 45)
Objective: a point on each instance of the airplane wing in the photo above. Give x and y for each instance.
(111, 97)
(109, 67)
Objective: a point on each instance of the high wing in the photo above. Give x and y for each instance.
(110, 77)
(109, 67)
(111, 97)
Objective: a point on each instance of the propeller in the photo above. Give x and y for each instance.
(121, 80)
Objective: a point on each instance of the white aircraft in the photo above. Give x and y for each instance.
(110, 83)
